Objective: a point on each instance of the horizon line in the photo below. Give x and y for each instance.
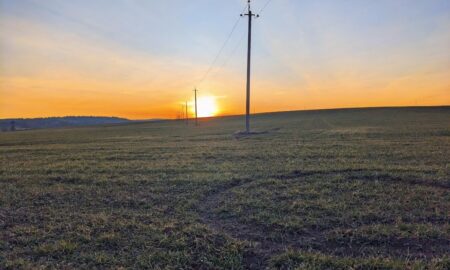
(231, 115)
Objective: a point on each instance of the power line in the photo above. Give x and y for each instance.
(232, 53)
(238, 45)
(221, 50)
(264, 7)
(216, 58)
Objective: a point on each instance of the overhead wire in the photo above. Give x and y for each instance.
(227, 40)
(242, 37)
(221, 50)
(265, 6)
(238, 45)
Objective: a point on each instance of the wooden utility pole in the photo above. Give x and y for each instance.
(196, 115)
(250, 15)
(187, 114)
(182, 112)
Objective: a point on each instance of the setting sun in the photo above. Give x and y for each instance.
(207, 106)
(212, 134)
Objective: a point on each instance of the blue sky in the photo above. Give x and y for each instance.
(147, 55)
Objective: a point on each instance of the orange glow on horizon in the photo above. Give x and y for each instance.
(47, 70)
(207, 106)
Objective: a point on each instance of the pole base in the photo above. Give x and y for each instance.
(241, 134)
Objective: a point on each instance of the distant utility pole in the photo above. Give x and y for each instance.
(250, 15)
(187, 114)
(182, 112)
(196, 116)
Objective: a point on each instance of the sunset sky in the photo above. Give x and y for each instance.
(141, 59)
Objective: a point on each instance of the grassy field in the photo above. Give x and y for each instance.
(337, 189)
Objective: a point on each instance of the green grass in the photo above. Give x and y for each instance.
(339, 189)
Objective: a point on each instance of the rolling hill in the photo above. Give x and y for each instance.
(57, 122)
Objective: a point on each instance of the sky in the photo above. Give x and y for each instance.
(141, 59)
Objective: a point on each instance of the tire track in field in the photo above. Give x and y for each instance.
(261, 248)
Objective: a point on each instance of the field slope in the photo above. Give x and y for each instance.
(335, 189)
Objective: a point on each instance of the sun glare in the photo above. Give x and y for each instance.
(207, 106)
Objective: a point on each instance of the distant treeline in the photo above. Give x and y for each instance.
(56, 122)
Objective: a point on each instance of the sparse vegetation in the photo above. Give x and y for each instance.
(338, 189)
